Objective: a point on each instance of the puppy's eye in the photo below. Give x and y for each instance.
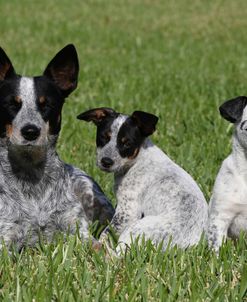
(107, 135)
(45, 103)
(126, 142)
(42, 100)
(17, 99)
(15, 102)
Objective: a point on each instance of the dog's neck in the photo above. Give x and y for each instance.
(29, 164)
(142, 154)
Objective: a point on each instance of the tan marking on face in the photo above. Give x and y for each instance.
(18, 99)
(134, 155)
(42, 100)
(9, 130)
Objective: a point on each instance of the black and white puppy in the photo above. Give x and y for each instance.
(155, 197)
(228, 204)
(38, 192)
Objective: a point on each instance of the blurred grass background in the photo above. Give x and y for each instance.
(177, 59)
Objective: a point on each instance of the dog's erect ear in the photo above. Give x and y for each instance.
(63, 69)
(6, 67)
(97, 115)
(145, 121)
(232, 110)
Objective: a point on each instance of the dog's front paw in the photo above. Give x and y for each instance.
(103, 237)
(96, 245)
(214, 241)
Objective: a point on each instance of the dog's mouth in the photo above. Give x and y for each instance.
(108, 170)
(25, 145)
(105, 169)
(26, 148)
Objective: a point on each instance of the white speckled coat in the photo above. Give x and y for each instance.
(228, 204)
(159, 199)
(155, 197)
(39, 193)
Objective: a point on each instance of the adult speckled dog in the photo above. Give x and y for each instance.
(228, 204)
(38, 192)
(155, 197)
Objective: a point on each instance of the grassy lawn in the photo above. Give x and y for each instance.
(177, 59)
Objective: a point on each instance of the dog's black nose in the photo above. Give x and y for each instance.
(30, 132)
(107, 162)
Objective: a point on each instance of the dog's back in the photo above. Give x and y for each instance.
(169, 199)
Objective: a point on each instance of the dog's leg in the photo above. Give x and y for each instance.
(219, 222)
(127, 210)
(154, 228)
(120, 221)
(95, 203)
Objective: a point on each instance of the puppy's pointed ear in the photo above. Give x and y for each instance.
(232, 110)
(97, 115)
(63, 69)
(6, 67)
(145, 121)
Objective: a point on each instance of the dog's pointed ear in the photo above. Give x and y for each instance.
(232, 110)
(97, 115)
(145, 121)
(6, 67)
(63, 69)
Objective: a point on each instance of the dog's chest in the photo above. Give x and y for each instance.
(28, 211)
(40, 210)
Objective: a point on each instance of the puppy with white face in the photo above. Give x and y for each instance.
(228, 204)
(39, 193)
(155, 197)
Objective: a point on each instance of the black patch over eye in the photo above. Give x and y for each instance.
(10, 106)
(126, 143)
(50, 110)
(103, 137)
(129, 139)
(104, 132)
(49, 102)
(47, 107)
(10, 103)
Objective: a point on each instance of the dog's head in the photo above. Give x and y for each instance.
(30, 107)
(119, 137)
(235, 111)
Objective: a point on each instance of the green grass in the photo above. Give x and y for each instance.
(178, 59)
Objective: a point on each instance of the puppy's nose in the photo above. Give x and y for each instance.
(30, 132)
(107, 162)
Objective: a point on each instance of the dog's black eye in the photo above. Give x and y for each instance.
(107, 135)
(42, 101)
(126, 142)
(14, 103)
(45, 103)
